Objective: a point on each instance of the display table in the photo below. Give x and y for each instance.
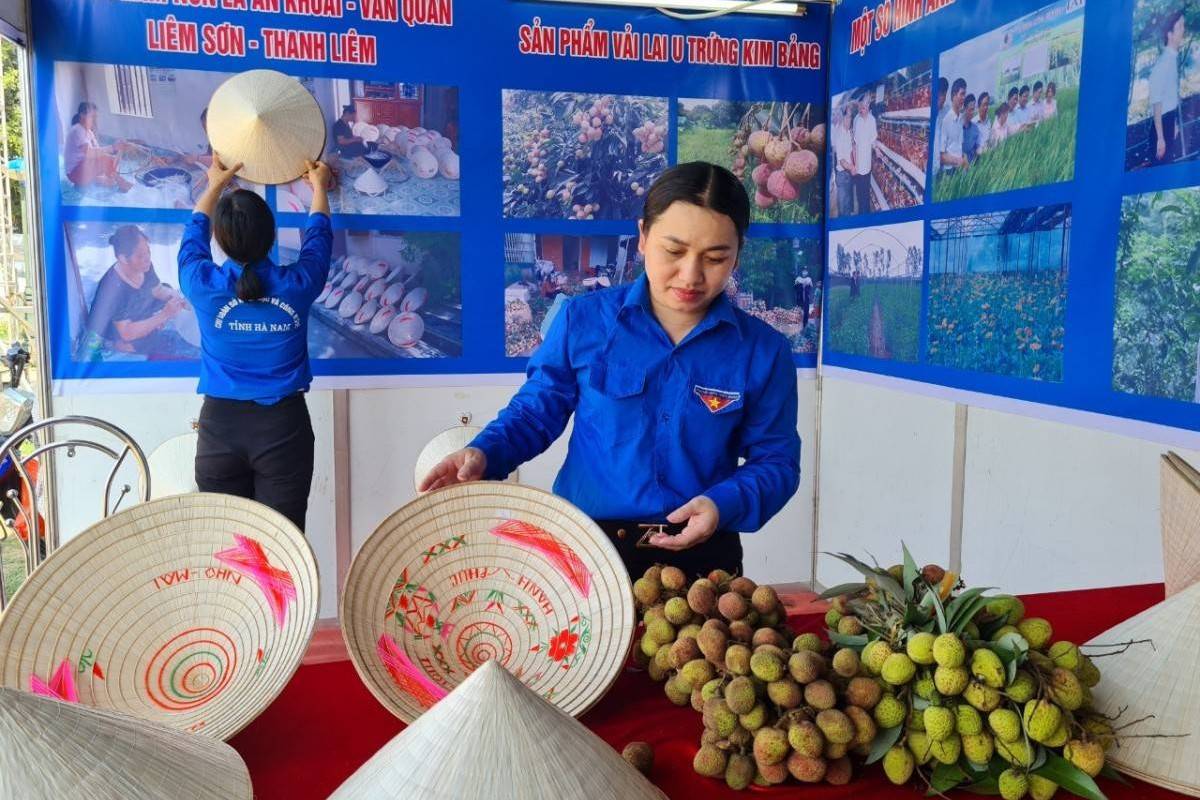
(326, 724)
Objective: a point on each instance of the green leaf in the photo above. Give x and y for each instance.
(920, 703)
(957, 608)
(859, 640)
(884, 741)
(939, 608)
(945, 776)
(988, 630)
(911, 571)
(1039, 759)
(843, 588)
(968, 613)
(1113, 775)
(989, 785)
(1070, 777)
(882, 579)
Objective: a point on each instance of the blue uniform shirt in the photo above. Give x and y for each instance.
(657, 424)
(254, 350)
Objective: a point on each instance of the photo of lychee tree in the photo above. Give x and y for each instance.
(775, 148)
(581, 156)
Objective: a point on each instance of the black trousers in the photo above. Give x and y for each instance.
(722, 551)
(862, 191)
(1170, 122)
(262, 453)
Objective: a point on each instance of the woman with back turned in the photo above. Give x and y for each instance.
(670, 385)
(256, 439)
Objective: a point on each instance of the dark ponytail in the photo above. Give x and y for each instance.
(701, 184)
(84, 109)
(245, 229)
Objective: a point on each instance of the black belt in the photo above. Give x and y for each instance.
(723, 550)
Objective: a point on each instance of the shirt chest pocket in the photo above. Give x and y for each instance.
(613, 406)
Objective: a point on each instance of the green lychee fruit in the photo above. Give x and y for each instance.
(743, 586)
(718, 717)
(898, 669)
(916, 720)
(1005, 631)
(698, 672)
(766, 666)
(939, 723)
(806, 739)
(673, 579)
(648, 646)
(845, 662)
(1017, 753)
(967, 721)
(739, 772)
(646, 591)
(712, 689)
(949, 651)
(770, 746)
(678, 691)
(832, 618)
(1089, 675)
(663, 658)
(951, 681)
(709, 737)
(807, 641)
(660, 631)
(677, 611)
(1065, 689)
(874, 655)
(839, 772)
(1011, 609)
(806, 769)
(1099, 730)
(709, 762)
(864, 726)
(682, 651)
(971, 631)
(653, 572)
(733, 606)
(1041, 788)
(640, 756)
(836, 726)
(924, 687)
(920, 648)
(754, 719)
(1005, 723)
(1039, 661)
(1022, 689)
(1060, 736)
(978, 747)
(657, 673)
(737, 659)
(1088, 756)
(785, 693)
(864, 693)
(806, 666)
(835, 750)
(920, 745)
(702, 597)
(1064, 654)
(898, 765)
(778, 652)
(712, 644)
(890, 711)
(764, 599)
(987, 667)
(946, 751)
(739, 695)
(1037, 632)
(850, 626)
(1013, 784)
(820, 695)
(1041, 719)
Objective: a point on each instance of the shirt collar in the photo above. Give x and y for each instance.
(720, 311)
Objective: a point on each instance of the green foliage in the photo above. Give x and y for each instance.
(14, 133)
(850, 317)
(1045, 154)
(1156, 332)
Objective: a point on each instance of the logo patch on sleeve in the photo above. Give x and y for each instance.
(716, 400)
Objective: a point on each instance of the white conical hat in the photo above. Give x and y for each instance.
(1162, 681)
(1180, 523)
(447, 442)
(493, 738)
(269, 122)
(50, 750)
(173, 466)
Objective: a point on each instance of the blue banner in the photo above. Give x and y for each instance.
(491, 159)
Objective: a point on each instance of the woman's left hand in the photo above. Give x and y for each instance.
(702, 518)
(218, 175)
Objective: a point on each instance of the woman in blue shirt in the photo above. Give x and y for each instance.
(256, 439)
(670, 385)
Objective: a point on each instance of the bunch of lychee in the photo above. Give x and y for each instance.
(949, 698)
(781, 164)
(651, 136)
(773, 704)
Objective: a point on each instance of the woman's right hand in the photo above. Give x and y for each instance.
(219, 175)
(468, 464)
(318, 175)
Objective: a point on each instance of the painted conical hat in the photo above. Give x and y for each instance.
(1162, 681)
(1180, 523)
(50, 750)
(442, 445)
(173, 466)
(269, 122)
(483, 571)
(493, 738)
(192, 611)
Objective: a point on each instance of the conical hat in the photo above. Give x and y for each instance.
(1162, 681)
(50, 750)
(191, 611)
(492, 738)
(269, 122)
(1180, 523)
(483, 571)
(173, 466)
(442, 445)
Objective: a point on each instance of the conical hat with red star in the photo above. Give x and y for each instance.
(190, 611)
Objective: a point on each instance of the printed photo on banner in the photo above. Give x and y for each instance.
(879, 143)
(133, 136)
(779, 281)
(874, 284)
(542, 270)
(1007, 104)
(394, 149)
(571, 155)
(998, 292)
(1156, 332)
(123, 299)
(389, 295)
(775, 148)
(1164, 86)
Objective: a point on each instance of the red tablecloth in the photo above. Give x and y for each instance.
(326, 724)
